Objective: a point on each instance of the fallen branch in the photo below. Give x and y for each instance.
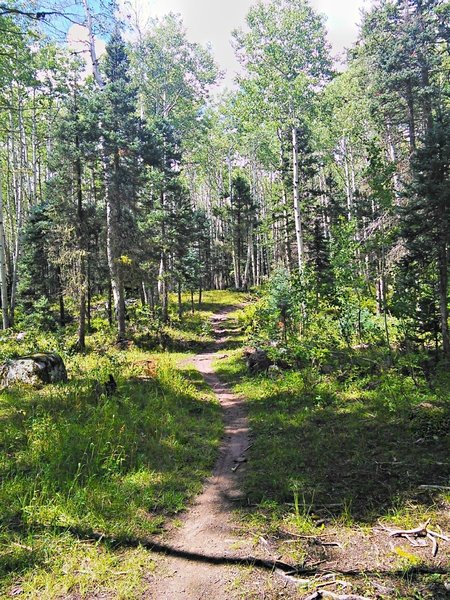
(439, 535)
(418, 532)
(325, 594)
(343, 584)
(435, 544)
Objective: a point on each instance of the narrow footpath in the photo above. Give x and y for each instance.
(207, 527)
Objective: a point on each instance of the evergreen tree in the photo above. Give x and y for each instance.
(426, 215)
(124, 150)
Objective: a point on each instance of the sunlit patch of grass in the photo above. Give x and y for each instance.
(120, 465)
(62, 566)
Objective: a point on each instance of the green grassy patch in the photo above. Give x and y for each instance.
(72, 457)
(345, 450)
(192, 331)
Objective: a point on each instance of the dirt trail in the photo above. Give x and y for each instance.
(207, 527)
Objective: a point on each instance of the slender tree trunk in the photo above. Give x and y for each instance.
(384, 295)
(18, 169)
(393, 159)
(3, 276)
(116, 283)
(144, 294)
(348, 185)
(287, 245)
(248, 261)
(112, 253)
(81, 342)
(110, 305)
(162, 285)
(297, 207)
(239, 248)
(443, 297)
(411, 118)
(95, 66)
(62, 308)
(152, 300)
(111, 201)
(180, 300)
(88, 307)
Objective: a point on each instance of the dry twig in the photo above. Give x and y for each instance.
(319, 594)
(421, 531)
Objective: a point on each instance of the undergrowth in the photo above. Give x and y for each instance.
(347, 435)
(73, 459)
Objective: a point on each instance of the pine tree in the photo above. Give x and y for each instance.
(426, 228)
(122, 140)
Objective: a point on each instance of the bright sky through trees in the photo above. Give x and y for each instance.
(212, 21)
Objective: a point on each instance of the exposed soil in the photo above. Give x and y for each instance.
(207, 528)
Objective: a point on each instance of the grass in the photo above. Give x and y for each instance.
(190, 332)
(335, 452)
(73, 459)
(336, 455)
(348, 450)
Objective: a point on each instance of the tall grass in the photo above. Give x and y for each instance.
(120, 465)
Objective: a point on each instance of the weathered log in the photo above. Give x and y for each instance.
(33, 370)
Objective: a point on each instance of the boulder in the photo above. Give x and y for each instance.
(33, 369)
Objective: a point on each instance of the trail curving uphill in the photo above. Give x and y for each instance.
(207, 527)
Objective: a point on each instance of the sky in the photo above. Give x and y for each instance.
(212, 21)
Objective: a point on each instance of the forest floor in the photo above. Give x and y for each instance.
(201, 481)
(329, 558)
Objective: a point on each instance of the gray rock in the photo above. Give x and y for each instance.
(33, 370)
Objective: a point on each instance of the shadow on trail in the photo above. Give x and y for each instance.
(123, 542)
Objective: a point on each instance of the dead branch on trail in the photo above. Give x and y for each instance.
(421, 531)
(435, 544)
(325, 594)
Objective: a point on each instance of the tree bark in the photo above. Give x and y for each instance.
(95, 67)
(443, 295)
(180, 301)
(411, 118)
(3, 276)
(81, 342)
(113, 264)
(248, 261)
(297, 207)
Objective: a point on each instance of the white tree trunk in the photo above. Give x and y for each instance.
(95, 68)
(3, 278)
(348, 184)
(110, 200)
(19, 215)
(297, 207)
